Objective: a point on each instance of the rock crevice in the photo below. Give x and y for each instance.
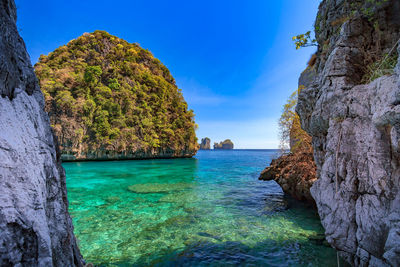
(35, 227)
(355, 127)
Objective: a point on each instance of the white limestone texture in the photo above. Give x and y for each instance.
(35, 227)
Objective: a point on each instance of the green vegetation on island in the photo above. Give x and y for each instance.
(227, 144)
(108, 98)
(205, 144)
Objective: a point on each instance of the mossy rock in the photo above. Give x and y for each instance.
(112, 199)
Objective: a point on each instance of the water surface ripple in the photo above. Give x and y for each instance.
(207, 211)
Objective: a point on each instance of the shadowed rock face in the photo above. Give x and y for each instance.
(35, 227)
(356, 132)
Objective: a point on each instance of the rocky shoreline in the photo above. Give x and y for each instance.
(352, 115)
(104, 155)
(354, 126)
(354, 123)
(295, 173)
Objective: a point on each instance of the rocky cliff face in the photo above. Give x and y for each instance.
(35, 227)
(355, 126)
(205, 143)
(295, 173)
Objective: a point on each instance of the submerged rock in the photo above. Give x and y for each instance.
(112, 199)
(179, 197)
(152, 188)
(355, 126)
(35, 227)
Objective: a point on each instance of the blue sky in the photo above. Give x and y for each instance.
(234, 60)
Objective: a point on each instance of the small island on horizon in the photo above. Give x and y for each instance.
(227, 144)
(136, 190)
(205, 144)
(224, 145)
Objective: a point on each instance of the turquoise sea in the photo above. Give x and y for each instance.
(206, 211)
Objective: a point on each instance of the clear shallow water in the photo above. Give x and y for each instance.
(206, 211)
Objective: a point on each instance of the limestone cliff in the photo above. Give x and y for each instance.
(354, 120)
(110, 99)
(295, 173)
(205, 144)
(35, 227)
(227, 144)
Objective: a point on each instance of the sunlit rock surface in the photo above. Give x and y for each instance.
(35, 227)
(355, 128)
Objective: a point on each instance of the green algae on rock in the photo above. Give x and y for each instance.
(110, 99)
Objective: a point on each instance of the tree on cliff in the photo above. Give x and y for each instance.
(291, 134)
(304, 40)
(103, 93)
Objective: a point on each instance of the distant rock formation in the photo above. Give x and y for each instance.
(205, 144)
(227, 144)
(35, 226)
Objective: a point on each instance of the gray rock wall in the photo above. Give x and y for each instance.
(35, 227)
(356, 133)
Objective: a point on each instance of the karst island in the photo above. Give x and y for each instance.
(200, 133)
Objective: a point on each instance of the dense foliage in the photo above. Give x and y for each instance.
(291, 133)
(102, 92)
